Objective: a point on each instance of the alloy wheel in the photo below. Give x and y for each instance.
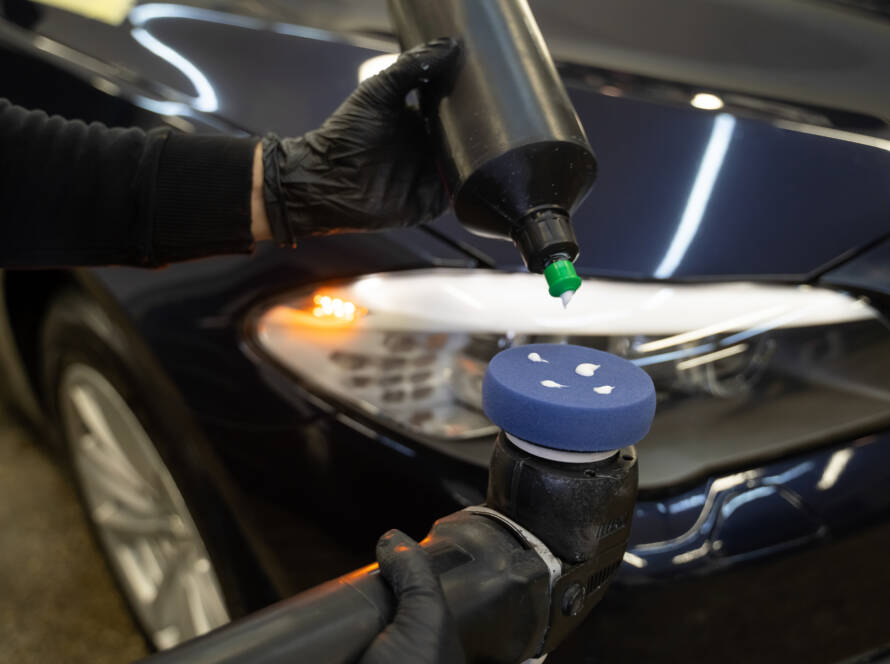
(139, 513)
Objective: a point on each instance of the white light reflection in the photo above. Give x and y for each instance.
(753, 324)
(206, 100)
(836, 134)
(673, 355)
(657, 300)
(106, 86)
(699, 195)
(141, 14)
(707, 101)
(368, 285)
(635, 560)
(718, 486)
(464, 297)
(711, 357)
(728, 482)
(743, 321)
(695, 554)
(688, 503)
(373, 66)
(736, 502)
(443, 300)
(112, 12)
(790, 474)
(834, 468)
(784, 320)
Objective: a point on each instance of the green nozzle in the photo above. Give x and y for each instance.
(561, 277)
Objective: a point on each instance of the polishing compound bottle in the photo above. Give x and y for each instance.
(515, 155)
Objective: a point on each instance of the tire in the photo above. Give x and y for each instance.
(166, 533)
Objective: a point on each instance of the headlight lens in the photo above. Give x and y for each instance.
(740, 368)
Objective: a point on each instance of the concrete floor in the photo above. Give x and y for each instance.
(58, 602)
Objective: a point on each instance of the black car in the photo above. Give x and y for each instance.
(242, 428)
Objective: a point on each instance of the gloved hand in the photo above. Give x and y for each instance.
(369, 166)
(422, 631)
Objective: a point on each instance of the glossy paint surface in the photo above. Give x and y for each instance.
(761, 510)
(683, 193)
(868, 272)
(769, 201)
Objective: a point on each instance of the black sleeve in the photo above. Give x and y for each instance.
(77, 194)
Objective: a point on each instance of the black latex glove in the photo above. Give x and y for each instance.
(422, 631)
(370, 166)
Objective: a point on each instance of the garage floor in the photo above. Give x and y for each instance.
(58, 602)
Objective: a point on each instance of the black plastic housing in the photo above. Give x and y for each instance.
(577, 510)
(511, 144)
(505, 603)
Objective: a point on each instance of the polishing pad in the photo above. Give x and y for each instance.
(568, 398)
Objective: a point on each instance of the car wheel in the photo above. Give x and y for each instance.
(131, 471)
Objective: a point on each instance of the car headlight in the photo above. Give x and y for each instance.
(741, 369)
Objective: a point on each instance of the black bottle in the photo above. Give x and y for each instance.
(515, 155)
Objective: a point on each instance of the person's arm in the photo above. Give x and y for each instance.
(78, 194)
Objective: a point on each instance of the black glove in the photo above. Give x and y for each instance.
(422, 631)
(369, 166)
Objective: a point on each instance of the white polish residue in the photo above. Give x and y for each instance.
(586, 369)
(604, 389)
(534, 357)
(551, 383)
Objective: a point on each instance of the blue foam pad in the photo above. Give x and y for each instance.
(551, 395)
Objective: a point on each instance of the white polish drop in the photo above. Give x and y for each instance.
(604, 389)
(534, 357)
(551, 383)
(586, 369)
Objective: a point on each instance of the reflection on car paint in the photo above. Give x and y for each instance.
(699, 195)
(750, 514)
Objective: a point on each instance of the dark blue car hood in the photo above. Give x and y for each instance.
(775, 198)
(683, 193)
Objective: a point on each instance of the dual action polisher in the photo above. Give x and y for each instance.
(519, 572)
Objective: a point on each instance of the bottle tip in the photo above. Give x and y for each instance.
(561, 278)
(566, 297)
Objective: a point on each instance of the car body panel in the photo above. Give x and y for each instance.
(790, 200)
(868, 272)
(770, 178)
(774, 172)
(761, 510)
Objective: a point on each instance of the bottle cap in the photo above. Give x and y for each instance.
(561, 277)
(569, 398)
